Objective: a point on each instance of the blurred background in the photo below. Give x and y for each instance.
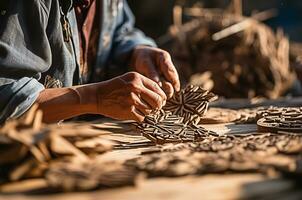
(155, 16)
(262, 59)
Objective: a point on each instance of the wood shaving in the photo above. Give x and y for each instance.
(222, 154)
(61, 156)
(233, 56)
(177, 121)
(191, 103)
(276, 119)
(163, 127)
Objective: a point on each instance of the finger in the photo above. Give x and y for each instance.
(144, 112)
(152, 98)
(142, 106)
(168, 69)
(150, 70)
(168, 89)
(136, 115)
(153, 86)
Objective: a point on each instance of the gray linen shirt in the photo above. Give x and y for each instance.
(32, 47)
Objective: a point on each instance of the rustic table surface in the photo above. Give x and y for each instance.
(130, 145)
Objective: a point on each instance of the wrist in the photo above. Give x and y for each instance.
(87, 97)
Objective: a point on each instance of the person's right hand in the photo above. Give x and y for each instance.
(129, 97)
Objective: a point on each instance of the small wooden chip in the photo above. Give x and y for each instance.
(61, 146)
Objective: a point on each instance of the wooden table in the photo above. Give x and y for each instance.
(130, 144)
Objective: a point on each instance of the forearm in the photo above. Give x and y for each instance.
(64, 103)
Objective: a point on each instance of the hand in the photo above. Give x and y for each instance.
(152, 63)
(129, 97)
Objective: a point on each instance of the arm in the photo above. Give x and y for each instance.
(130, 96)
(64, 103)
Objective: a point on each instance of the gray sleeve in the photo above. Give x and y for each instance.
(17, 97)
(126, 37)
(24, 54)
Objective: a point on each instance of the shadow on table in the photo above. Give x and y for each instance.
(275, 189)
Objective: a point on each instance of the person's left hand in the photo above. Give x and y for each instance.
(157, 65)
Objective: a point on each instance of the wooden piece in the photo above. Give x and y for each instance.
(190, 103)
(95, 145)
(163, 127)
(280, 119)
(30, 185)
(176, 122)
(220, 154)
(219, 116)
(237, 7)
(70, 176)
(61, 146)
(214, 154)
(30, 149)
(236, 28)
(21, 170)
(246, 59)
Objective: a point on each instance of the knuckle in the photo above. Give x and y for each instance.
(134, 102)
(132, 97)
(129, 74)
(131, 86)
(132, 109)
(136, 75)
(166, 56)
(171, 69)
(145, 62)
(133, 76)
(163, 53)
(148, 111)
(155, 85)
(134, 87)
(140, 119)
